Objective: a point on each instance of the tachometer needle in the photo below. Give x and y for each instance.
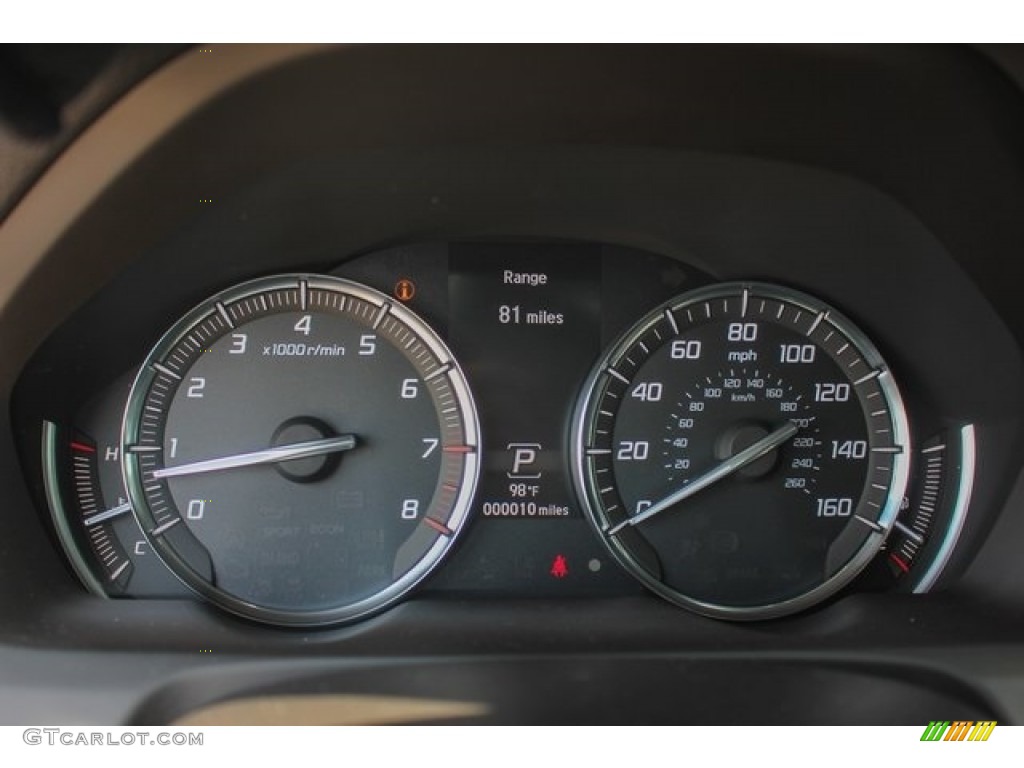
(735, 463)
(280, 453)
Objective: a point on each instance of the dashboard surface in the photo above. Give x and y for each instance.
(530, 206)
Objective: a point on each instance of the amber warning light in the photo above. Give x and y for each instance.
(405, 289)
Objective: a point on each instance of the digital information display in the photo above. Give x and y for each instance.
(525, 324)
(526, 321)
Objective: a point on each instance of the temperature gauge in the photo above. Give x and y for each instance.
(90, 508)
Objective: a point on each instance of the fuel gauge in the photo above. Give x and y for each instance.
(931, 515)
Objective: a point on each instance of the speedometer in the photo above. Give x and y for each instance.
(742, 450)
(301, 450)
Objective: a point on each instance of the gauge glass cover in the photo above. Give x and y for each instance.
(742, 450)
(301, 450)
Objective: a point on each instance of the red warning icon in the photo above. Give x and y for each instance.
(559, 568)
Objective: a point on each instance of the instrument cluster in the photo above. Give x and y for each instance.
(505, 417)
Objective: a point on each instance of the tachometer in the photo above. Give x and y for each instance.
(301, 449)
(742, 450)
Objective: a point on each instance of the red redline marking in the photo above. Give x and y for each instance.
(438, 526)
(459, 448)
(75, 446)
(896, 559)
(449, 487)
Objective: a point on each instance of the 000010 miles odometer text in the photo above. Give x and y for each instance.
(742, 450)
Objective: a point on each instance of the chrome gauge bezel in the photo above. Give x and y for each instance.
(587, 488)
(343, 614)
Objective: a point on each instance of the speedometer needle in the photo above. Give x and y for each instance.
(735, 463)
(291, 452)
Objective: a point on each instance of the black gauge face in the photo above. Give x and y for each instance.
(300, 450)
(742, 450)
